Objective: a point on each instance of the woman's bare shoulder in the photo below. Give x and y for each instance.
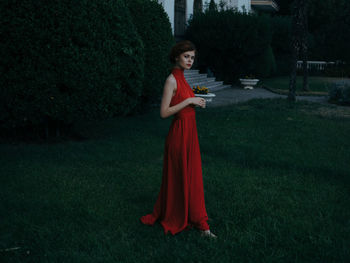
(170, 82)
(171, 79)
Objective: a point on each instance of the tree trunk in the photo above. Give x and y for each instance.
(305, 70)
(293, 71)
(294, 49)
(299, 45)
(304, 44)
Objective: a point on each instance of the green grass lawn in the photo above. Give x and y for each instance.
(316, 84)
(276, 179)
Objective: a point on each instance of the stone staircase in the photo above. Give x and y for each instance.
(194, 78)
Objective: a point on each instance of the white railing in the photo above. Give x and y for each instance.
(318, 65)
(265, 3)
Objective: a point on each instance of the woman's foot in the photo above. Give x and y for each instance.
(207, 233)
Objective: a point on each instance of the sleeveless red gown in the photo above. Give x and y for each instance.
(180, 204)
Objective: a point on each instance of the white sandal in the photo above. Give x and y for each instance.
(207, 233)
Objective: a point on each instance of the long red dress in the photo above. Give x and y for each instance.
(180, 204)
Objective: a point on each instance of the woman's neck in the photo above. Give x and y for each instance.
(180, 68)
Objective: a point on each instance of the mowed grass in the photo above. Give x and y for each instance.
(316, 83)
(276, 183)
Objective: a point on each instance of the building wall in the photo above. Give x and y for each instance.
(236, 4)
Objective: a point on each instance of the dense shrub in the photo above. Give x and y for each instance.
(266, 63)
(67, 60)
(329, 22)
(338, 70)
(281, 38)
(339, 93)
(153, 26)
(232, 44)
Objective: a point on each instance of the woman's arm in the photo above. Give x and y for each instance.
(169, 87)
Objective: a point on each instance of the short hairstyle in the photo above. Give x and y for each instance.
(179, 48)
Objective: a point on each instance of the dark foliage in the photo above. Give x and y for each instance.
(64, 61)
(281, 38)
(153, 26)
(232, 44)
(339, 93)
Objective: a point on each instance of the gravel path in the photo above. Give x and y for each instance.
(235, 95)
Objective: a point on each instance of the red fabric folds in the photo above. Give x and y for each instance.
(180, 203)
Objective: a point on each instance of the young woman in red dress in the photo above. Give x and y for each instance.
(180, 204)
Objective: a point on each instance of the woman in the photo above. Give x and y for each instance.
(180, 204)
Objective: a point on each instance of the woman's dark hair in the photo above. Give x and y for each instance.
(179, 48)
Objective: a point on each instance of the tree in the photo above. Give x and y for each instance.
(284, 7)
(299, 44)
(328, 25)
(329, 22)
(304, 43)
(197, 7)
(222, 5)
(212, 6)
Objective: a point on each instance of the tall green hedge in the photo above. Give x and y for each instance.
(232, 44)
(281, 39)
(329, 23)
(67, 60)
(153, 25)
(266, 63)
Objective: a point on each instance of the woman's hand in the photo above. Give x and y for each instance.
(197, 101)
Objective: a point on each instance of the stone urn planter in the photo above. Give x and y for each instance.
(208, 97)
(203, 92)
(249, 83)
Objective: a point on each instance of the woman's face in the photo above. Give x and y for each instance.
(185, 60)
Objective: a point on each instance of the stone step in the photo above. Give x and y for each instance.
(194, 78)
(212, 86)
(201, 82)
(221, 87)
(191, 71)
